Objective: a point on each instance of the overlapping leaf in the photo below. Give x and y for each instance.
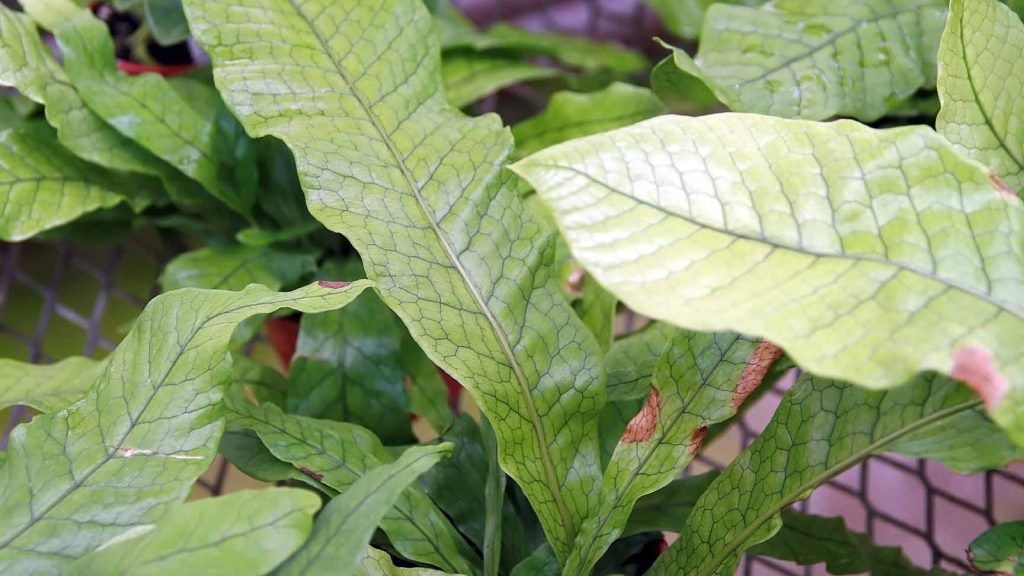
(456, 32)
(867, 255)
(343, 530)
(458, 486)
(469, 76)
(981, 81)
(700, 379)
(821, 428)
(338, 454)
(235, 267)
(573, 114)
(668, 509)
(631, 360)
(26, 64)
(806, 539)
(815, 59)
(999, 550)
(43, 186)
(243, 533)
(142, 108)
(166, 21)
(45, 387)
(355, 90)
(138, 440)
(684, 18)
(348, 366)
(378, 563)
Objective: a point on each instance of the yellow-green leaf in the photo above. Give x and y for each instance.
(135, 444)
(868, 255)
(816, 59)
(355, 90)
(981, 86)
(245, 533)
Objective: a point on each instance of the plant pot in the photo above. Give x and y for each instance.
(282, 334)
(136, 68)
(122, 26)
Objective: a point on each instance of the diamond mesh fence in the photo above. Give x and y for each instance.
(59, 299)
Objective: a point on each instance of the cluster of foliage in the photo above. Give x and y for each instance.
(326, 144)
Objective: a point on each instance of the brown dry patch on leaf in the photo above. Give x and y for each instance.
(753, 375)
(574, 283)
(1002, 186)
(973, 366)
(642, 426)
(332, 284)
(314, 475)
(697, 439)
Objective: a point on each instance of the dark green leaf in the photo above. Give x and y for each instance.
(667, 509)
(348, 366)
(338, 454)
(806, 539)
(235, 267)
(342, 531)
(1000, 550)
(166, 21)
(458, 486)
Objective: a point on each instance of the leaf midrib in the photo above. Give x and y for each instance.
(709, 569)
(357, 507)
(551, 476)
(111, 452)
(977, 98)
(616, 501)
(798, 249)
(832, 39)
(399, 505)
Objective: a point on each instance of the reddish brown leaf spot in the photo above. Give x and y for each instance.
(332, 284)
(697, 439)
(1002, 186)
(753, 375)
(642, 426)
(314, 475)
(574, 283)
(973, 365)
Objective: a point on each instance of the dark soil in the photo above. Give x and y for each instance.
(123, 24)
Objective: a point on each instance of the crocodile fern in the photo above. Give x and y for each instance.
(334, 141)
